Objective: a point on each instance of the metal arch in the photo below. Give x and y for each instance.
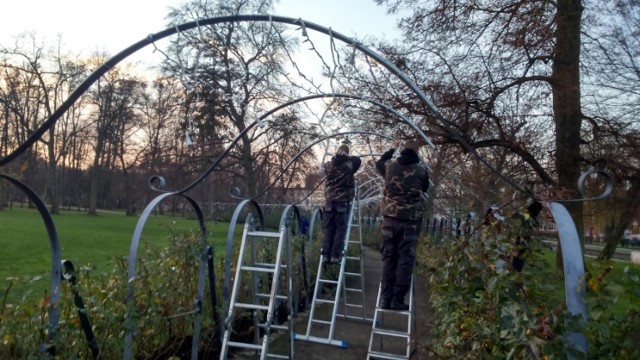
(56, 259)
(151, 38)
(573, 264)
(283, 223)
(83, 87)
(131, 273)
(262, 117)
(296, 156)
(386, 107)
(572, 256)
(608, 182)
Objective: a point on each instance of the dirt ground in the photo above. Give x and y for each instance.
(356, 333)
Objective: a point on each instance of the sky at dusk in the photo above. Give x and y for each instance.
(114, 25)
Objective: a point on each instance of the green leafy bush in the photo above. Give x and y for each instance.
(162, 316)
(484, 309)
(165, 291)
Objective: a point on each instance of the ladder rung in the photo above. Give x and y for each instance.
(274, 326)
(353, 257)
(325, 301)
(267, 265)
(383, 355)
(277, 356)
(282, 266)
(251, 306)
(396, 333)
(257, 269)
(328, 281)
(403, 312)
(264, 234)
(321, 321)
(354, 305)
(358, 318)
(265, 295)
(321, 340)
(244, 345)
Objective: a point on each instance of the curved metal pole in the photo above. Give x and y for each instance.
(309, 146)
(608, 186)
(573, 263)
(262, 117)
(151, 38)
(284, 218)
(132, 273)
(572, 257)
(84, 86)
(202, 269)
(56, 258)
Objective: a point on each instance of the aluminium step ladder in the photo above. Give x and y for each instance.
(263, 305)
(353, 294)
(391, 336)
(325, 281)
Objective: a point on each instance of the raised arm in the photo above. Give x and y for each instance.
(383, 159)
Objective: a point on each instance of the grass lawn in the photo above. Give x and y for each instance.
(617, 275)
(93, 241)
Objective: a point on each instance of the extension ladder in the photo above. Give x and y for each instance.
(263, 303)
(394, 331)
(324, 280)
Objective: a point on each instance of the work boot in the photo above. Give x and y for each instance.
(385, 304)
(399, 306)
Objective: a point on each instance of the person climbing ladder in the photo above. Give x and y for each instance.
(338, 193)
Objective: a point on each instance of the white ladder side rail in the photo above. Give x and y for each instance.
(253, 268)
(360, 275)
(377, 329)
(315, 301)
(236, 284)
(340, 284)
(274, 289)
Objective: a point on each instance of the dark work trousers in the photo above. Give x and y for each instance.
(334, 226)
(399, 239)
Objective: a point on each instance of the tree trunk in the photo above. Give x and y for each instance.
(247, 161)
(566, 104)
(53, 192)
(93, 194)
(621, 219)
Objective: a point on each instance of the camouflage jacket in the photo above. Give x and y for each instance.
(405, 179)
(339, 184)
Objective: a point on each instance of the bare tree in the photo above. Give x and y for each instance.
(116, 97)
(38, 79)
(514, 74)
(237, 72)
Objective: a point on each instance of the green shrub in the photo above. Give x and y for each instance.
(484, 309)
(165, 286)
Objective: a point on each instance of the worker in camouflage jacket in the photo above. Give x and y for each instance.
(405, 182)
(338, 193)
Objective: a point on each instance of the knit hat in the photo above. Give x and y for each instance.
(343, 150)
(413, 144)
